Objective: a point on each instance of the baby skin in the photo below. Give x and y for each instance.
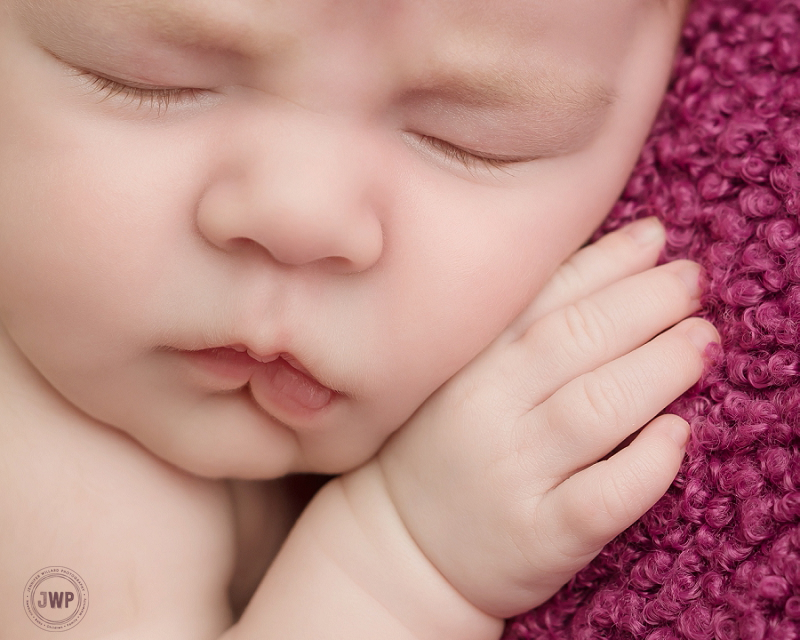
(247, 240)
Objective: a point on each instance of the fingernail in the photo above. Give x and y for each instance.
(646, 231)
(701, 334)
(679, 431)
(689, 272)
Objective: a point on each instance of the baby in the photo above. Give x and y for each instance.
(248, 239)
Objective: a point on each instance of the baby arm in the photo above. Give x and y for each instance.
(501, 486)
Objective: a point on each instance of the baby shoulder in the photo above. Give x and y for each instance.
(153, 548)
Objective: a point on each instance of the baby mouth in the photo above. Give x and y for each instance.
(277, 381)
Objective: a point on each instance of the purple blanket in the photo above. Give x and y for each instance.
(719, 556)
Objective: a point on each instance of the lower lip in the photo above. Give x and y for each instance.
(275, 385)
(279, 384)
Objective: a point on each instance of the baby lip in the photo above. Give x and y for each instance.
(286, 357)
(262, 359)
(296, 364)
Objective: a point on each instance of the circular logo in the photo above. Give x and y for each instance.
(56, 599)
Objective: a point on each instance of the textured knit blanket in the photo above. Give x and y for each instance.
(719, 556)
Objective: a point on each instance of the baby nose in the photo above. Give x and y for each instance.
(301, 201)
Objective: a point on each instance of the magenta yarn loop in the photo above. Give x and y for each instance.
(719, 556)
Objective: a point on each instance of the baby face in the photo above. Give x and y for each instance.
(257, 235)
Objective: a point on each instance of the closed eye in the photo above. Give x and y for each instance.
(468, 158)
(156, 99)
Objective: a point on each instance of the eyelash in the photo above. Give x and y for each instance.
(154, 99)
(469, 159)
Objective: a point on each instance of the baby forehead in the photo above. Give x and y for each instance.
(255, 27)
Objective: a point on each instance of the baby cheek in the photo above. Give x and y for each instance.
(85, 240)
(469, 271)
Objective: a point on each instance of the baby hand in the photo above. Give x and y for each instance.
(503, 478)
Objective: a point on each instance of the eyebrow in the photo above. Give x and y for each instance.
(554, 93)
(206, 26)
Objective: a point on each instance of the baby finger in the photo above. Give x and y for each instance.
(589, 416)
(595, 505)
(613, 257)
(583, 336)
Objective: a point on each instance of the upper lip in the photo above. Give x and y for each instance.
(269, 356)
(284, 355)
